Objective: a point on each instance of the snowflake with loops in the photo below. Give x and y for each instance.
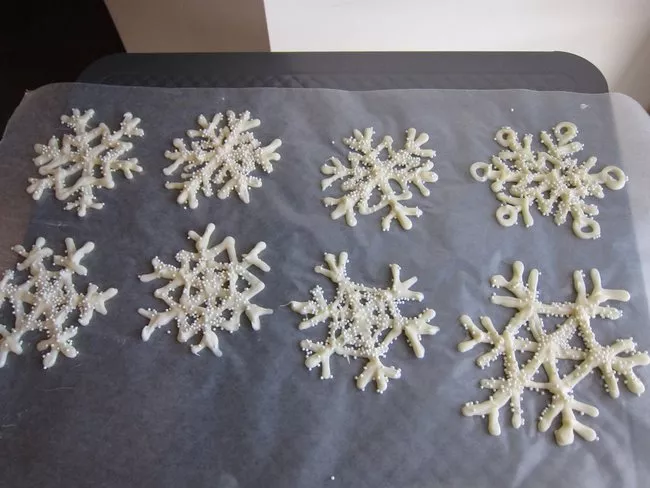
(370, 172)
(47, 299)
(213, 294)
(552, 179)
(220, 155)
(87, 159)
(363, 322)
(548, 348)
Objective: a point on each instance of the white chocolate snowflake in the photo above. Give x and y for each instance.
(551, 179)
(47, 299)
(220, 155)
(549, 346)
(370, 171)
(84, 160)
(213, 294)
(363, 322)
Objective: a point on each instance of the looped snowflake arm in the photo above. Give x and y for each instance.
(584, 226)
(508, 213)
(565, 133)
(551, 178)
(402, 289)
(613, 177)
(416, 327)
(375, 370)
(73, 257)
(496, 171)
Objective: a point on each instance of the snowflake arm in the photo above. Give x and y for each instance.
(220, 155)
(46, 300)
(210, 298)
(548, 349)
(88, 157)
(551, 179)
(362, 323)
(369, 173)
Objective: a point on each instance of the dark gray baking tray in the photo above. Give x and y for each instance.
(544, 71)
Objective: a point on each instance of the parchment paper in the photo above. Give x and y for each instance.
(129, 413)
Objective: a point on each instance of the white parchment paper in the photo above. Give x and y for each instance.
(128, 413)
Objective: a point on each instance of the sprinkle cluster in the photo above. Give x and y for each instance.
(363, 322)
(548, 348)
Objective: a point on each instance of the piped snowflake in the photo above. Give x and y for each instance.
(213, 294)
(84, 160)
(47, 300)
(363, 322)
(389, 175)
(552, 179)
(220, 155)
(548, 347)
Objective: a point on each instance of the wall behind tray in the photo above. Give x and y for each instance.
(614, 35)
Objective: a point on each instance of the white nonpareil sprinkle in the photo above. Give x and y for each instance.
(47, 299)
(371, 171)
(214, 294)
(363, 322)
(222, 153)
(551, 179)
(549, 347)
(84, 160)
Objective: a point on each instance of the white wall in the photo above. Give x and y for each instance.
(612, 34)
